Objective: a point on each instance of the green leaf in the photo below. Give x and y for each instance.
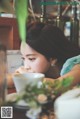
(21, 9)
(67, 81)
(63, 85)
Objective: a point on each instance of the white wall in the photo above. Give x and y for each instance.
(14, 60)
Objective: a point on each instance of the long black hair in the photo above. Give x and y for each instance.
(50, 41)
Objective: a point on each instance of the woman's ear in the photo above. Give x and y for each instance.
(53, 62)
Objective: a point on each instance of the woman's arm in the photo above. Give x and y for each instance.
(75, 73)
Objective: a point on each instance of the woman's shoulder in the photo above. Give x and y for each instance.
(70, 63)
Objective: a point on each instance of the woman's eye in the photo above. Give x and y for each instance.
(32, 59)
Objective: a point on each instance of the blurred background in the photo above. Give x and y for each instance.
(61, 13)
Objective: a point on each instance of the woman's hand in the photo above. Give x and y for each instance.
(21, 70)
(48, 80)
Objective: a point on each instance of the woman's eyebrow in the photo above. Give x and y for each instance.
(30, 55)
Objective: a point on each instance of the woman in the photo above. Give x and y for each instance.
(45, 51)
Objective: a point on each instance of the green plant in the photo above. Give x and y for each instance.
(43, 92)
(38, 96)
(22, 15)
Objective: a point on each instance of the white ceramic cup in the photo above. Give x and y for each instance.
(22, 80)
(67, 106)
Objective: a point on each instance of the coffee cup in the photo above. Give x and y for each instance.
(22, 80)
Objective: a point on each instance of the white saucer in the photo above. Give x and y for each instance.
(20, 104)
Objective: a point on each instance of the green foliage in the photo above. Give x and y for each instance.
(48, 90)
(67, 82)
(21, 9)
(62, 86)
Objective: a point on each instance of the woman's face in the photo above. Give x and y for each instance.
(34, 61)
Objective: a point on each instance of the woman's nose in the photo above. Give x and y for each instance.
(27, 66)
